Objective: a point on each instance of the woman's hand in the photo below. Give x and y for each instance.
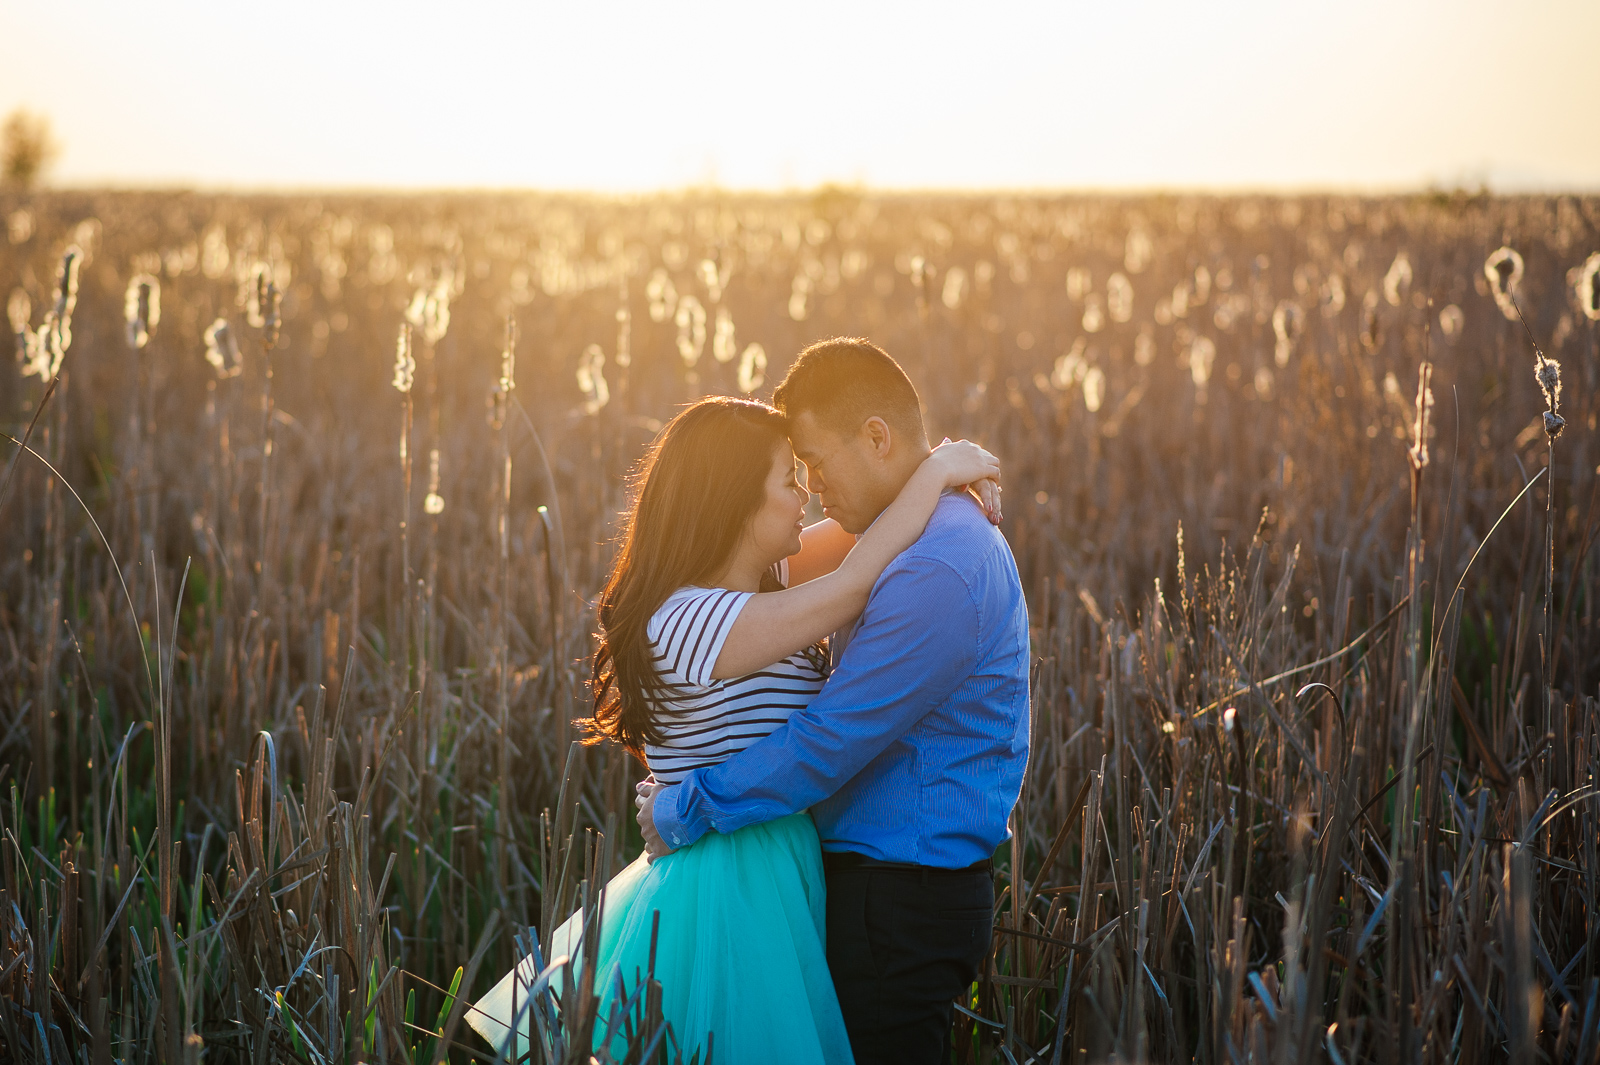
(645, 793)
(965, 464)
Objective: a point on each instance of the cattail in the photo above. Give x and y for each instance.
(429, 310)
(1202, 353)
(1503, 268)
(1263, 383)
(592, 378)
(265, 307)
(1588, 287)
(1332, 296)
(19, 313)
(222, 349)
(723, 346)
(1079, 281)
(1094, 389)
(1398, 280)
(1119, 297)
(1071, 367)
(955, 287)
(798, 292)
(1371, 322)
(661, 293)
(624, 334)
(1137, 251)
(714, 275)
(508, 357)
(1547, 372)
(1177, 306)
(500, 394)
(921, 275)
(1451, 322)
(1418, 451)
(48, 347)
(1287, 322)
(254, 295)
(433, 502)
(141, 309)
(752, 368)
(1094, 315)
(1144, 346)
(67, 294)
(405, 366)
(691, 322)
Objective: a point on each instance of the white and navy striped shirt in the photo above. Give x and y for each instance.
(710, 721)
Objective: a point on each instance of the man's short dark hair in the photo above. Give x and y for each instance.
(846, 380)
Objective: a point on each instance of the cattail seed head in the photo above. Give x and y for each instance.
(592, 378)
(500, 394)
(67, 292)
(661, 293)
(254, 292)
(1588, 287)
(405, 366)
(752, 368)
(429, 310)
(43, 353)
(19, 313)
(723, 346)
(1398, 280)
(1288, 319)
(433, 502)
(222, 349)
(1094, 389)
(1451, 322)
(1504, 269)
(1549, 377)
(141, 309)
(799, 290)
(1202, 354)
(508, 356)
(264, 309)
(624, 334)
(1418, 451)
(691, 322)
(1119, 297)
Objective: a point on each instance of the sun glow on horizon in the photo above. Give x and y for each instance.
(637, 97)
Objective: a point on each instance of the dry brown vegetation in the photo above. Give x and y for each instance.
(1314, 753)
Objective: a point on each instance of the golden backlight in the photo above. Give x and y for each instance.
(612, 97)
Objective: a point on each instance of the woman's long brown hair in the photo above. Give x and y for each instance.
(695, 490)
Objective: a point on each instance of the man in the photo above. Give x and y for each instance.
(913, 755)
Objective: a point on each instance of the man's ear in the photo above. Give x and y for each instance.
(876, 430)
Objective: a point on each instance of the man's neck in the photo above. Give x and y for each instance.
(898, 475)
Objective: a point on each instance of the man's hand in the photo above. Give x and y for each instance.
(654, 846)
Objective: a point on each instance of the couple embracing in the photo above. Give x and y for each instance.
(835, 719)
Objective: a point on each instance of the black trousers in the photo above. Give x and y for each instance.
(904, 942)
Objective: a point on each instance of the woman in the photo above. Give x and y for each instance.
(712, 625)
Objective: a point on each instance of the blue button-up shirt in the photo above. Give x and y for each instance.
(916, 748)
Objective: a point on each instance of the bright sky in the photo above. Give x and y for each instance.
(612, 95)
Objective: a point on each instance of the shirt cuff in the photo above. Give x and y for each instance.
(672, 819)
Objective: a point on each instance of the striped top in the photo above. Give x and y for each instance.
(710, 721)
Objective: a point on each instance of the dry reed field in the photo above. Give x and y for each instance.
(296, 570)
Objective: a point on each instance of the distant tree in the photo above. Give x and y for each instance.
(26, 148)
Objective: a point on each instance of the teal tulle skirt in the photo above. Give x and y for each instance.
(740, 951)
